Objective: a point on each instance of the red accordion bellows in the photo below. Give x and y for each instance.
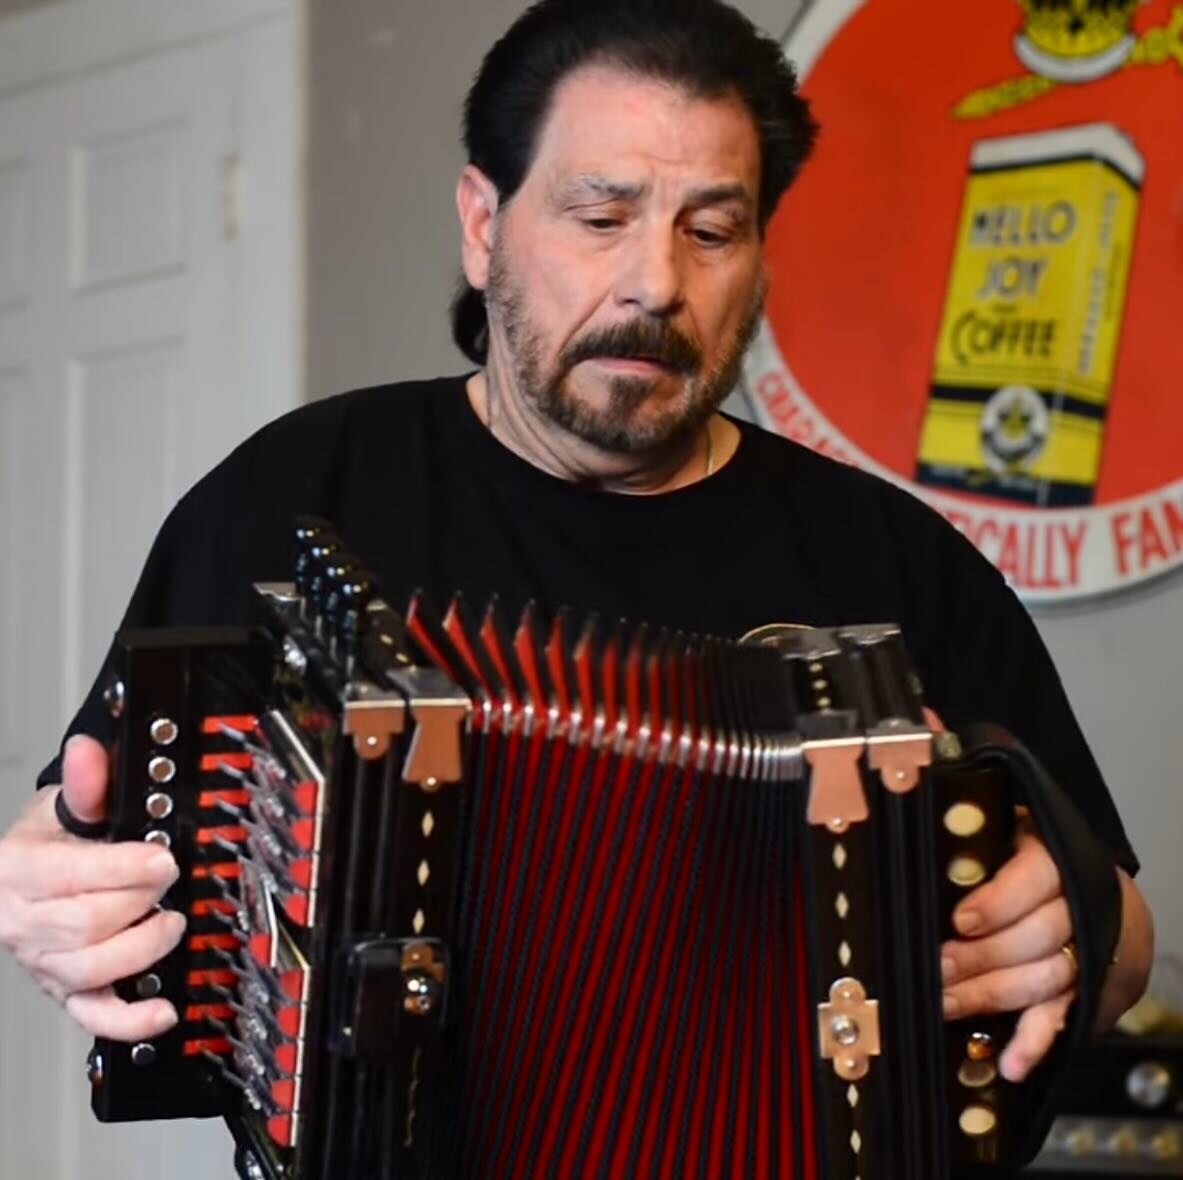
(631, 950)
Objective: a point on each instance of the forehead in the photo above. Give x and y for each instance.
(606, 121)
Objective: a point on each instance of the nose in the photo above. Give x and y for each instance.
(651, 278)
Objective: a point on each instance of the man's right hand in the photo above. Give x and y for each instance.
(79, 914)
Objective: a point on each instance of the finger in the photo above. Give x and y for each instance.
(103, 1014)
(1036, 936)
(85, 770)
(1028, 880)
(933, 720)
(127, 953)
(1010, 989)
(71, 923)
(1035, 1034)
(68, 866)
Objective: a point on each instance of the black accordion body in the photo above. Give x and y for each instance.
(564, 898)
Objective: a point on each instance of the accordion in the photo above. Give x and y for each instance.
(566, 897)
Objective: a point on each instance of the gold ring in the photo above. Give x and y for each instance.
(1069, 949)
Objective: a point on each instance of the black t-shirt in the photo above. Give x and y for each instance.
(424, 495)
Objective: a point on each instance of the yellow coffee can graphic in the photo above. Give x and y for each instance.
(994, 324)
(1032, 317)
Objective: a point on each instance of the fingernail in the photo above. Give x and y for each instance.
(166, 1018)
(177, 923)
(163, 867)
(968, 921)
(1012, 1067)
(948, 969)
(950, 1006)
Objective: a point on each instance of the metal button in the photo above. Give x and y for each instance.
(143, 1054)
(156, 836)
(164, 731)
(162, 769)
(974, 1075)
(966, 871)
(421, 992)
(979, 1047)
(148, 986)
(977, 1120)
(94, 1068)
(159, 805)
(1148, 1085)
(115, 697)
(965, 819)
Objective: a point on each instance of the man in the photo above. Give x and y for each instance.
(624, 160)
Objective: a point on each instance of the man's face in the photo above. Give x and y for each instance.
(626, 277)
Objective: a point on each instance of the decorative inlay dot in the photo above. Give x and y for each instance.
(424, 873)
(839, 857)
(428, 824)
(845, 954)
(419, 921)
(842, 906)
(856, 1142)
(852, 1095)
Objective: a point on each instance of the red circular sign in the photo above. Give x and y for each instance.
(973, 239)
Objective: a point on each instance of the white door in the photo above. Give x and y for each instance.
(149, 311)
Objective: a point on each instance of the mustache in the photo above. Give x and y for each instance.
(647, 340)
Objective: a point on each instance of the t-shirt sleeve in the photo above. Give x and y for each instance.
(988, 662)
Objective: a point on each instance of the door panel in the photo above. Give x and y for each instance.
(146, 326)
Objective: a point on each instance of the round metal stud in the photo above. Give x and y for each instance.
(1124, 1141)
(1081, 1141)
(977, 1120)
(979, 1047)
(164, 731)
(420, 992)
(252, 1167)
(162, 839)
(1166, 1145)
(143, 1054)
(115, 697)
(148, 986)
(1148, 1085)
(95, 1068)
(161, 769)
(844, 1030)
(159, 805)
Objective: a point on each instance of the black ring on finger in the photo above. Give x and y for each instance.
(75, 826)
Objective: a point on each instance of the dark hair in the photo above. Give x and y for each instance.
(703, 46)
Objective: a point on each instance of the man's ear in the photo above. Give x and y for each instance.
(477, 203)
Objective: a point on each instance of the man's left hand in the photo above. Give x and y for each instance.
(1012, 955)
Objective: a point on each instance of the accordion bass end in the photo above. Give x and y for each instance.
(560, 898)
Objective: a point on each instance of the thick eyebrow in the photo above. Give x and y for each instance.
(721, 194)
(599, 187)
(593, 184)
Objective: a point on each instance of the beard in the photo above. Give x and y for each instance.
(620, 424)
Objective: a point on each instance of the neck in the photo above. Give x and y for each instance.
(549, 447)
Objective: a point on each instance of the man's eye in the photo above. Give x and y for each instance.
(709, 237)
(601, 223)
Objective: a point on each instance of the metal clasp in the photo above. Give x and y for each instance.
(899, 753)
(424, 976)
(373, 720)
(848, 1029)
(836, 795)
